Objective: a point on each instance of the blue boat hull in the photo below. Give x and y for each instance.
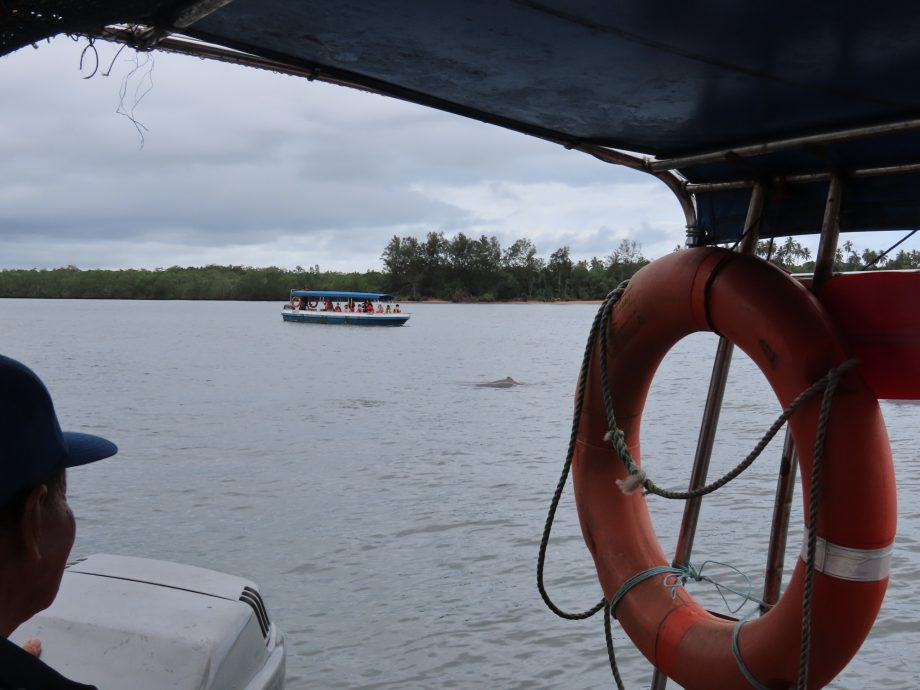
(343, 318)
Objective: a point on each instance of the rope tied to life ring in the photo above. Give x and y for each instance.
(637, 477)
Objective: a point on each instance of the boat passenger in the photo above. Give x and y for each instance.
(379, 308)
(36, 525)
(397, 310)
(328, 305)
(337, 307)
(389, 309)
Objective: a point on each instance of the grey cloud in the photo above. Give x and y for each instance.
(235, 162)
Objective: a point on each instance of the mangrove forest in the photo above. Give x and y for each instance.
(457, 269)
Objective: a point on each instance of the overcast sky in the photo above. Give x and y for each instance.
(242, 166)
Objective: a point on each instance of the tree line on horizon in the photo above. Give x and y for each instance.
(465, 269)
(796, 258)
(458, 269)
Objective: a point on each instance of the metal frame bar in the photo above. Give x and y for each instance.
(714, 397)
(785, 483)
(805, 178)
(713, 407)
(784, 145)
(779, 528)
(672, 180)
(830, 233)
(133, 36)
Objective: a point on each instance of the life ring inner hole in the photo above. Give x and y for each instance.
(670, 429)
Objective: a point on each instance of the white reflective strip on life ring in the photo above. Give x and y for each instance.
(844, 563)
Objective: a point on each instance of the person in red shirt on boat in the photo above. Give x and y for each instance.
(337, 307)
(397, 310)
(368, 308)
(379, 308)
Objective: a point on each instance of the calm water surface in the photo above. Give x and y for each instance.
(390, 509)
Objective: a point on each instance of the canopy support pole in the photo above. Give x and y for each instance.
(782, 506)
(779, 529)
(676, 184)
(830, 234)
(711, 410)
(846, 135)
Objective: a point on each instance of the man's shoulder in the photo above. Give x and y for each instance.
(19, 670)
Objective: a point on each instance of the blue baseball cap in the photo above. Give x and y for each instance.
(32, 445)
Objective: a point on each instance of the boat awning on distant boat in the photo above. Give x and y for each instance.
(714, 96)
(338, 294)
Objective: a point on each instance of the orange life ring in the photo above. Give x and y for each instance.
(787, 333)
(295, 302)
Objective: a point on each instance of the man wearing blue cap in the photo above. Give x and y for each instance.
(37, 528)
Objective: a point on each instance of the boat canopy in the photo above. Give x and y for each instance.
(341, 295)
(713, 97)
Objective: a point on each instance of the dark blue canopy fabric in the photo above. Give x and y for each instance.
(340, 295)
(661, 78)
(664, 78)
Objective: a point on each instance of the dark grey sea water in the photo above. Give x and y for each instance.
(390, 509)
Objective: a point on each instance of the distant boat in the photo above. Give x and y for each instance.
(348, 308)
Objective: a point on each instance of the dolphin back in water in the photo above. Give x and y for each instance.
(506, 382)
